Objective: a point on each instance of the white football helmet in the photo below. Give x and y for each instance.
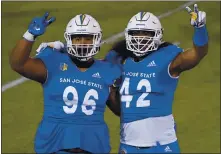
(145, 22)
(83, 24)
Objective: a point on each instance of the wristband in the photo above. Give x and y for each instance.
(29, 37)
(200, 36)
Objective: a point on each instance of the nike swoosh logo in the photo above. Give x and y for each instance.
(37, 28)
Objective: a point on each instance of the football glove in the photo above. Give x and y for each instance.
(38, 26)
(198, 18)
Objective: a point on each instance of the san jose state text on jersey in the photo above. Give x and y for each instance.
(70, 94)
(147, 89)
(74, 104)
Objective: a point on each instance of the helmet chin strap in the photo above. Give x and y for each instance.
(139, 54)
(83, 59)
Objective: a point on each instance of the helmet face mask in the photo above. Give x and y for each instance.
(83, 50)
(143, 35)
(83, 36)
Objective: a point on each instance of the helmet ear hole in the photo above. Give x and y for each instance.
(98, 48)
(66, 36)
(162, 31)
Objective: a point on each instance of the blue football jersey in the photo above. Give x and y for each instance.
(147, 89)
(74, 104)
(113, 57)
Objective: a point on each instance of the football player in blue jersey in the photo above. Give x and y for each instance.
(76, 87)
(151, 70)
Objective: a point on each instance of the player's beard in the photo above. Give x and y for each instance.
(82, 64)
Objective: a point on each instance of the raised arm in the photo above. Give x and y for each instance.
(192, 57)
(20, 59)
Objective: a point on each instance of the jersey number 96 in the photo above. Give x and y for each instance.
(73, 103)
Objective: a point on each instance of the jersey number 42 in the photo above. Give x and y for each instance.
(126, 97)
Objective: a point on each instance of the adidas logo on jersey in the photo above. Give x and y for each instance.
(167, 149)
(96, 75)
(151, 64)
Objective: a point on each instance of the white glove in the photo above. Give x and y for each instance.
(198, 18)
(55, 45)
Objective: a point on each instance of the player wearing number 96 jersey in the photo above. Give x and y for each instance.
(76, 87)
(151, 69)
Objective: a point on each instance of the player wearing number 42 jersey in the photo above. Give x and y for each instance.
(151, 69)
(76, 87)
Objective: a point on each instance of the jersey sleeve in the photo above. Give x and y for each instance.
(174, 52)
(47, 56)
(113, 57)
(114, 75)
